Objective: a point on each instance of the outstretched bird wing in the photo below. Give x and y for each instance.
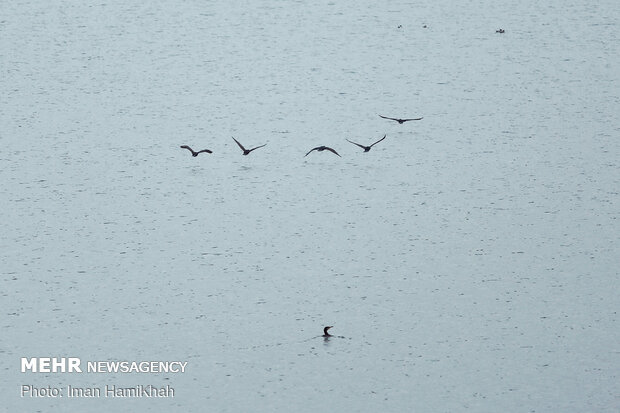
(313, 149)
(241, 146)
(331, 150)
(378, 141)
(205, 150)
(257, 147)
(188, 148)
(361, 146)
(399, 120)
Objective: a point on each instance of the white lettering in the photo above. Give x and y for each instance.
(74, 365)
(31, 391)
(44, 365)
(29, 364)
(58, 363)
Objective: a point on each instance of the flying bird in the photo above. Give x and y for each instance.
(321, 149)
(399, 120)
(367, 148)
(246, 151)
(325, 333)
(194, 153)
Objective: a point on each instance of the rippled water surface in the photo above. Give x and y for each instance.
(468, 262)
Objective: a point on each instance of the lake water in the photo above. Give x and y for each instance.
(468, 262)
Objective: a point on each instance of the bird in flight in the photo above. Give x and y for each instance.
(399, 120)
(246, 151)
(194, 153)
(367, 148)
(321, 149)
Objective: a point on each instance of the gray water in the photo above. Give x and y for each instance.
(468, 262)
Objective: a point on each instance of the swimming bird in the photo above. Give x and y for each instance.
(399, 120)
(194, 153)
(321, 149)
(367, 148)
(500, 31)
(325, 333)
(246, 151)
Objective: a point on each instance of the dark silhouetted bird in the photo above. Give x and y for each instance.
(399, 120)
(194, 153)
(367, 148)
(246, 151)
(500, 31)
(321, 149)
(325, 333)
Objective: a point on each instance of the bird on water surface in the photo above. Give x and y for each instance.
(321, 149)
(401, 121)
(246, 151)
(367, 148)
(325, 333)
(194, 153)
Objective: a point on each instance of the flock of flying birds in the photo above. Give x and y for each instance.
(318, 148)
(321, 148)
